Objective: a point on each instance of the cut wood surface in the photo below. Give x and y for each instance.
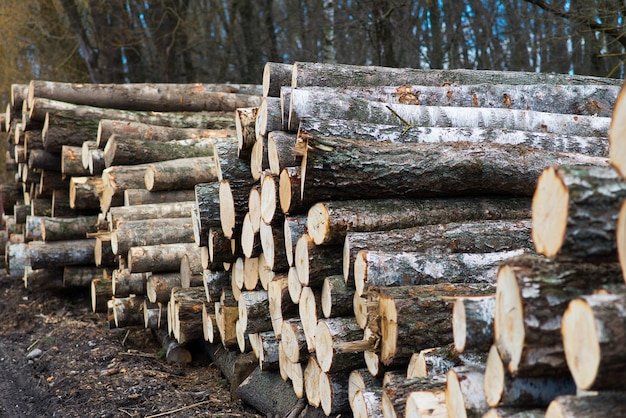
(128, 311)
(465, 396)
(363, 130)
(339, 344)
(315, 262)
(72, 161)
(159, 286)
(337, 297)
(340, 75)
(85, 192)
(531, 296)
(273, 245)
(454, 237)
(245, 118)
(396, 393)
(280, 305)
(280, 153)
(381, 268)
(332, 104)
(568, 200)
(178, 174)
(592, 329)
(343, 169)
(329, 222)
(118, 178)
(159, 97)
(101, 290)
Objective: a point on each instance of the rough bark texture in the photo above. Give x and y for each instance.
(144, 197)
(245, 118)
(472, 323)
(150, 232)
(159, 286)
(337, 297)
(276, 75)
(61, 253)
(126, 283)
(396, 392)
(158, 258)
(208, 204)
(62, 229)
(180, 174)
(342, 169)
(567, 202)
(600, 405)
(280, 153)
(532, 294)
(85, 192)
(315, 262)
(465, 396)
(170, 210)
(129, 151)
(339, 344)
(72, 162)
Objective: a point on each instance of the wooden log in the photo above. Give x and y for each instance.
(398, 307)
(310, 310)
(454, 237)
(600, 405)
(126, 283)
(233, 195)
(268, 393)
(362, 380)
(220, 126)
(334, 393)
(81, 276)
(187, 313)
(472, 323)
(439, 360)
(250, 239)
(273, 246)
(170, 210)
(465, 396)
(275, 75)
(417, 170)
(50, 181)
(72, 161)
(208, 204)
(294, 344)
(280, 145)
(144, 197)
(158, 258)
(235, 367)
(143, 96)
(159, 286)
(254, 311)
(17, 258)
(182, 173)
(590, 145)
(96, 162)
(101, 291)
(62, 229)
(41, 206)
(592, 327)
(191, 270)
(280, 305)
(128, 311)
(102, 252)
(269, 117)
(226, 316)
(150, 232)
(116, 179)
(339, 344)
(566, 201)
(214, 283)
(337, 297)
(209, 325)
(511, 412)
(532, 294)
(245, 118)
(503, 390)
(228, 164)
(380, 268)
(395, 396)
(329, 103)
(315, 262)
(340, 75)
(330, 222)
(293, 228)
(32, 228)
(61, 253)
(42, 279)
(44, 160)
(85, 192)
(127, 151)
(268, 351)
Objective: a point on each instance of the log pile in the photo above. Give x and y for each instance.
(404, 246)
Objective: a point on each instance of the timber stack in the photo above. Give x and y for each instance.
(418, 243)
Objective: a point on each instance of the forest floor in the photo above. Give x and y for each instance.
(59, 359)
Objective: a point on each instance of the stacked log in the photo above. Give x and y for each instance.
(309, 244)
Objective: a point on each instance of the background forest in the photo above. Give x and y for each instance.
(180, 41)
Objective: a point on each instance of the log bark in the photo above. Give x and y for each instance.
(159, 286)
(592, 329)
(269, 117)
(159, 97)
(101, 291)
(150, 232)
(532, 294)
(280, 145)
(103, 254)
(454, 237)
(292, 200)
(315, 262)
(401, 335)
(293, 340)
(44, 160)
(358, 169)
(332, 104)
(600, 405)
(116, 179)
(276, 75)
(245, 119)
(128, 311)
(339, 344)
(273, 246)
(235, 367)
(503, 390)
(43, 279)
(465, 396)
(267, 393)
(85, 192)
(187, 315)
(566, 202)
(254, 314)
(158, 258)
(293, 228)
(330, 222)
(233, 204)
(334, 393)
(63, 229)
(169, 210)
(126, 283)
(439, 360)
(280, 305)
(228, 164)
(473, 323)
(590, 145)
(511, 412)
(145, 197)
(362, 380)
(129, 151)
(178, 174)
(395, 396)
(337, 297)
(61, 253)
(80, 276)
(17, 258)
(340, 75)
(220, 126)
(72, 161)
(191, 270)
(214, 283)
(64, 128)
(380, 268)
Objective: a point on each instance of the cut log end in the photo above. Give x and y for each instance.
(494, 377)
(227, 209)
(549, 213)
(284, 191)
(459, 329)
(454, 396)
(268, 199)
(582, 349)
(621, 238)
(389, 328)
(318, 223)
(509, 318)
(617, 136)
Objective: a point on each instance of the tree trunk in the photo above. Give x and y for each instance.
(208, 204)
(150, 232)
(61, 253)
(126, 283)
(102, 252)
(334, 393)
(80, 276)
(135, 197)
(567, 201)
(45, 160)
(293, 340)
(396, 393)
(187, 304)
(398, 133)
(153, 97)
(329, 104)
(465, 396)
(85, 192)
(280, 153)
(413, 318)
(158, 258)
(380, 268)
(330, 222)
(254, 315)
(503, 390)
(63, 229)
(315, 262)
(339, 344)
(342, 169)
(245, 119)
(280, 305)
(150, 211)
(337, 297)
(72, 161)
(128, 311)
(532, 294)
(472, 323)
(101, 292)
(220, 127)
(159, 286)
(593, 334)
(276, 75)
(128, 151)
(226, 318)
(600, 405)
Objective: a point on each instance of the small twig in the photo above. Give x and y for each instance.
(406, 124)
(30, 347)
(125, 337)
(184, 408)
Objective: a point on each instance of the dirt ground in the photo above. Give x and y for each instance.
(58, 359)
